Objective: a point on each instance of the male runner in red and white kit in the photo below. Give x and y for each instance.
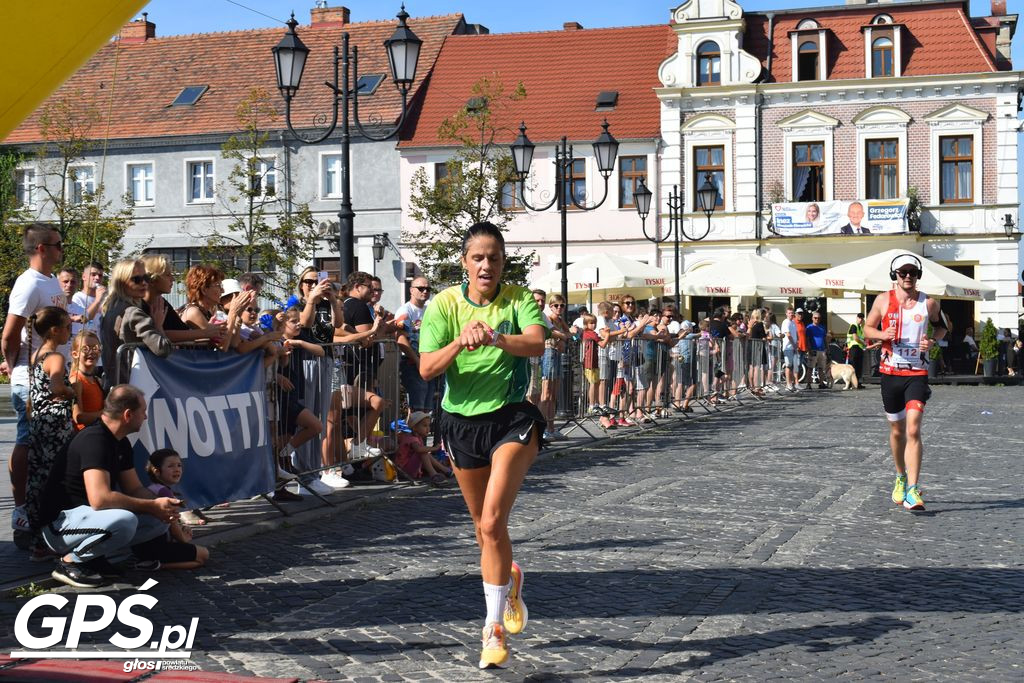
(904, 315)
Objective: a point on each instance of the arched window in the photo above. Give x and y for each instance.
(881, 19)
(709, 64)
(806, 23)
(807, 61)
(881, 57)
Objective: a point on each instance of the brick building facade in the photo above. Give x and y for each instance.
(910, 73)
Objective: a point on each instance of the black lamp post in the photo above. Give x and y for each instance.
(707, 197)
(606, 148)
(403, 48)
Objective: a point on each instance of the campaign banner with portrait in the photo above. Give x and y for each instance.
(858, 217)
(211, 408)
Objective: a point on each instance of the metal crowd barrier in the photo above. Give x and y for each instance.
(644, 379)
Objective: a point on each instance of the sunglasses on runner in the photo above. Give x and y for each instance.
(910, 272)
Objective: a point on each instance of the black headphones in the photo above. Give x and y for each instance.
(892, 271)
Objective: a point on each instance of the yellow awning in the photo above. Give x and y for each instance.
(46, 43)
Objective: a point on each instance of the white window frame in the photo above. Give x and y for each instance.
(809, 126)
(956, 120)
(32, 190)
(796, 40)
(708, 130)
(267, 166)
(71, 182)
(129, 185)
(188, 180)
(882, 123)
(322, 172)
(897, 54)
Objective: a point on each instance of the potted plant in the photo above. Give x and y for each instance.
(934, 354)
(988, 348)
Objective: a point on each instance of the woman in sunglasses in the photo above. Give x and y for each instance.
(125, 321)
(161, 281)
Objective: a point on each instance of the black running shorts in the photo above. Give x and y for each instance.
(900, 392)
(471, 441)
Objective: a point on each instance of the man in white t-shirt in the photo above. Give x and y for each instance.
(34, 289)
(789, 348)
(408, 318)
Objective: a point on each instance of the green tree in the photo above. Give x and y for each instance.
(90, 227)
(471, 191)
(264, 234)
(12, 218)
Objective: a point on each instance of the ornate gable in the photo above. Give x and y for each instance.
(710, 35)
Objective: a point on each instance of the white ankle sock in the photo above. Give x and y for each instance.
(495, 597)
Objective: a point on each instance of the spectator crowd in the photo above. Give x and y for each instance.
(344, 388)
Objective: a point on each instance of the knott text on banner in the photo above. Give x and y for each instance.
(211, 408)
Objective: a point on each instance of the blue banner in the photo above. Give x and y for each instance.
(211, 408)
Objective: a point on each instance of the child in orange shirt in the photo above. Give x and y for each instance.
(85, 351)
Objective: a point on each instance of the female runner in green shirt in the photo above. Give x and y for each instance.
(480, 335)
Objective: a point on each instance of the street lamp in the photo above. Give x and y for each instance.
(707, 198)
(403, 49)
(606, 148)
(1008, 225)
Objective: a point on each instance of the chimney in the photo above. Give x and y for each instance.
(329, 16)
(572, 26)
(138, 31)
(998, 8)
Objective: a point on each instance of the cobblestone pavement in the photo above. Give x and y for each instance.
(759, 544)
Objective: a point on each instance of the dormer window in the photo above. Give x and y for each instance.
(809, 56)
(807, 61)
(881, 57)
(709, 64)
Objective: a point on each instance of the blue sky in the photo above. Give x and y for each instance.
(200, 16)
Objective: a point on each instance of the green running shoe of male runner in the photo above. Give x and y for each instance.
(899, 489)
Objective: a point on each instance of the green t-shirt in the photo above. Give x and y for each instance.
(487, 378)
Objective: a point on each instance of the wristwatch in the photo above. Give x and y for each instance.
(494, 337)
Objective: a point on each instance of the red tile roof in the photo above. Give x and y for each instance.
(137, 82)
(937, 39)
(562, 72)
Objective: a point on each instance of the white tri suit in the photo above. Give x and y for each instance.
(904, 370)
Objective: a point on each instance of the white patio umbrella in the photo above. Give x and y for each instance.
(749, 275)
(617, 276)
(871, 274)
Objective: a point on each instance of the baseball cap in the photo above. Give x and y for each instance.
(799, 310)
(230, 286)
(686, 325)
(906, 260)
(417, 417)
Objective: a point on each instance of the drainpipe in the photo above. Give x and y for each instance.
(286, 151)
